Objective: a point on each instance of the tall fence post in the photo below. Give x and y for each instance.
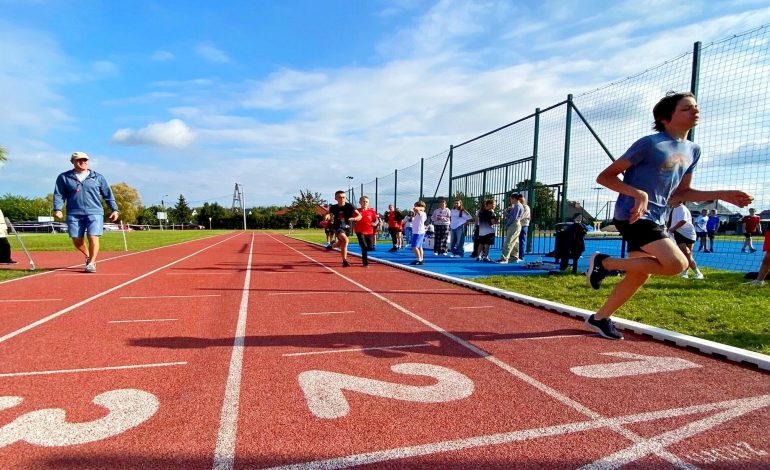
(361, 194)
(531, 194)
(451, 160)
(694, 80)
(565, 170)
(422, 177)
(395, 190)
(376, 194)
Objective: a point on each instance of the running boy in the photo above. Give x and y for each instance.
(342, 214)
(365, 229)
(655, 168)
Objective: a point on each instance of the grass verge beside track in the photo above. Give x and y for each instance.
(721, 308)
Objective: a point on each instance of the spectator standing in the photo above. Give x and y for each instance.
(681, 227)
(656, 168)
(487, 220)
(751, 227)
(407, 225)
(393, 218)
(418, 232)
(82, 190)
(712, 227)
(512, 225)
(524, 221)
(441, 218)
(458, 218)
(701, 229)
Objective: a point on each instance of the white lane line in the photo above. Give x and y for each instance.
(103, 293)
(733, 408)
(535, 338)
(467, 308)
(92, 369)
(199, 274)
(224, 453)
(327, 313)
(143, 321)
(335, 351)
(90, 274)
(28, 300)
(550, 391)
(170, 296)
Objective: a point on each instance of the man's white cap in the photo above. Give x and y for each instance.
(78, 156)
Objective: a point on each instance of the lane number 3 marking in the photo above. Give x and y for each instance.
(323, 389)
(128, 408)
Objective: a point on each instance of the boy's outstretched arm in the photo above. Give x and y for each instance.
(609, 178)
(684, 192)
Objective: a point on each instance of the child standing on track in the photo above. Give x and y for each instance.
(655, 168)
(418, 232)
(341, 214)
(365, 228)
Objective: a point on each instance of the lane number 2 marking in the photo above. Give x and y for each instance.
(128, 408)
(323, 389)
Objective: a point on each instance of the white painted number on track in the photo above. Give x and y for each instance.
(128, 408)
(642, 365)
(323, 389)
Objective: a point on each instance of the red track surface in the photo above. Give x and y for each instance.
(251, 351)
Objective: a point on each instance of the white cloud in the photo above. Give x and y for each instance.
(174, 133)
(162, 56)
(211, 53)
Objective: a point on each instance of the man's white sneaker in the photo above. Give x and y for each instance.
(698, 276)
(90, 268)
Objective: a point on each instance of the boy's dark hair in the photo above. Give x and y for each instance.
(665, 108)
(339, 192)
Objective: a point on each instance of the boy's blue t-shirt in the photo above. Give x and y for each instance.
(658, 163)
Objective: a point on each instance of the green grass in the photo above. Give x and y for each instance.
(721, 308)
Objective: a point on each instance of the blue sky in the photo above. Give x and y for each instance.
(191, 97)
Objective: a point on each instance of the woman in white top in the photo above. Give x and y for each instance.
(683, 231)
(458, 218)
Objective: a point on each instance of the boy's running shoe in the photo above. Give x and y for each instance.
(329, 247)
(604, 327)
(345, 263)
(596, 272)
(90, 268)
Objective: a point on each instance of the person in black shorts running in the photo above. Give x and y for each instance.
(341, 215)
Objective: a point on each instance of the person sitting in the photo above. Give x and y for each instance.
(570, 243)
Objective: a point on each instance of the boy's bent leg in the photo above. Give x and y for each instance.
(661, 257)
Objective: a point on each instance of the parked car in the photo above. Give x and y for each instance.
(108, 227)
(29, 226)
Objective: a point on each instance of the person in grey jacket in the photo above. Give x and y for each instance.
(82, 190)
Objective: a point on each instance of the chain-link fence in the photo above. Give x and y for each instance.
(554, 155)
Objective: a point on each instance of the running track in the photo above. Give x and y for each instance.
(252, 351)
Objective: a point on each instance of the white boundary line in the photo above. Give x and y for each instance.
(636, 439)
(224, 454)
(711, 348)
(327, 313)
(170, 296)
(92, 369)
(103, 293)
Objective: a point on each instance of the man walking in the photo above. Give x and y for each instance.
(83, 190)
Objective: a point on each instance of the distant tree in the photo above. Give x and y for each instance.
(3, 154)
(304, 208)
(181, 211)
(544, 214)
(218, 214)
(128, 202)
(18, 208)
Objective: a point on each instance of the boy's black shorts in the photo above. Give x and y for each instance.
(682, 240)
(640, 233)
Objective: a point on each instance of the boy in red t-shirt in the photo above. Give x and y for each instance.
(751, 227)
(764, 268)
